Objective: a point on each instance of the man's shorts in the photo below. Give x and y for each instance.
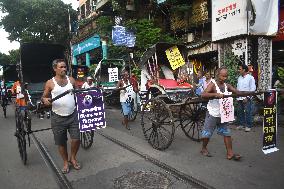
(211, 123)
(60, 125)
(126, 108)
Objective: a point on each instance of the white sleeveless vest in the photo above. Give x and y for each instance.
(65, 105)
(213, 106)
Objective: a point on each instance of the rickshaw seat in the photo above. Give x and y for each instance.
(168, 83)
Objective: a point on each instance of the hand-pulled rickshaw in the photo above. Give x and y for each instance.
(107, 75)
(171, 101)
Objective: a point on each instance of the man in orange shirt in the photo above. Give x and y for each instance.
(20, 98)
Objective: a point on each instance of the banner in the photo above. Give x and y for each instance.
(91, 110)
(263, 17)
(112, 74)
(227, 109)
(229, 18)
(175, 58)
(280, 34)
(270, 122)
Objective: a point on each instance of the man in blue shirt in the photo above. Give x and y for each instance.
(201, 79)
(246, 82)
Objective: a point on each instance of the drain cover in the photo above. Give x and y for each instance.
(142, 179)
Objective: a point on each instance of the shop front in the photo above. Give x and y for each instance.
(85, 54)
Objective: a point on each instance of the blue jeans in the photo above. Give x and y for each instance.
(245, 113)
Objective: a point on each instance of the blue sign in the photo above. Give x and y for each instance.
(85, 46)
(121, 37)
(160, 1)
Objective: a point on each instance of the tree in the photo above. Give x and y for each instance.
(14, 56)
(43, 21)
(4, 59)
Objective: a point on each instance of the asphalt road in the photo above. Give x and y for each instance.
(108, 165)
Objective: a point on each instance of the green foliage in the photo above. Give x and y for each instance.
(136, 71)
(230, 61)
(44, 21)
(4, 59)
(104, 25)
(281, 85)
(14, 56)
(147, 34)
(280, 72)
(92, 69)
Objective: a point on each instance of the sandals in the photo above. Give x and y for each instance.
(76, 165)
(235, 157)
(205, 153)
(65, 170)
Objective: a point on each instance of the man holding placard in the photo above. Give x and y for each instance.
(220, 112)
(127, 89)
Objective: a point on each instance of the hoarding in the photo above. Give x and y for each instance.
(229, 18)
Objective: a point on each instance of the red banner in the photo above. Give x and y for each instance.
(280, 34)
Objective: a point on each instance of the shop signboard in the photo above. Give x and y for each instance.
(87, 45)
(229, 18)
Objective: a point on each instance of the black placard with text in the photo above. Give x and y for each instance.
(270, 122)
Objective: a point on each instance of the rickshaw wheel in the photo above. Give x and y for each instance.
(86, 139)
(192, 116)
(157, 123)
(133, 113)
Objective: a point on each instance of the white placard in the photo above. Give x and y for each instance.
(229, 18)
(227, 109)
(113, 74)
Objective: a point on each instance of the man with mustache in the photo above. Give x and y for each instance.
(64, 116)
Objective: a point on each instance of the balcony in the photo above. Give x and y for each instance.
(86, 29)
(103, 4)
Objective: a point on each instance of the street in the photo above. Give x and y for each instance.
(108, 165)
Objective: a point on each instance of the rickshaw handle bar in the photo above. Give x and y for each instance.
(256, 93)
(72, 91)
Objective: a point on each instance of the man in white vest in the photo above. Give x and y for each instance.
(64, 116)
(214, 91)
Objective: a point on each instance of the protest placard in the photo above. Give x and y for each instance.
(91, 110)
(227, 109)
(270, 122)
(113, 74)
(175, 58)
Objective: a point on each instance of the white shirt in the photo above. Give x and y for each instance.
(87, 86)
(246, 83)
(65, 105)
